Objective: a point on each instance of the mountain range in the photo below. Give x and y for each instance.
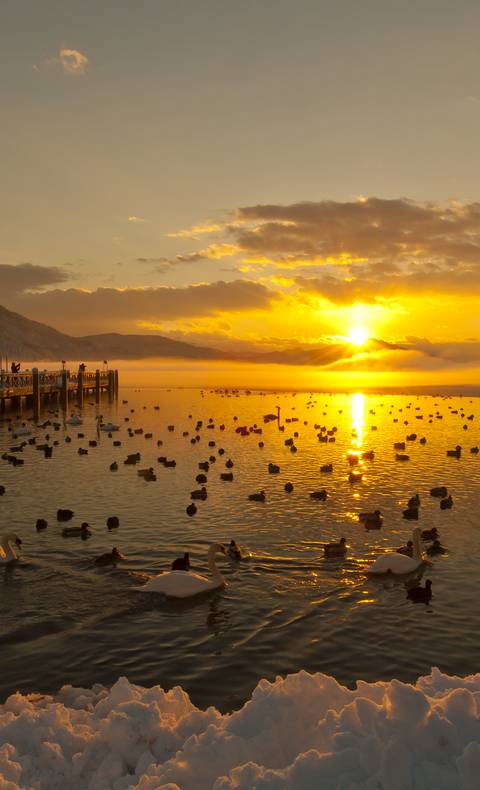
(25, 340)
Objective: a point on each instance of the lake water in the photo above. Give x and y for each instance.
(64, 620)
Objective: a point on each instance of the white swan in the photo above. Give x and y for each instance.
(400, 563)
(184, 584)
(22, 431)
(7, 550)
(109, 427)
(75, 419)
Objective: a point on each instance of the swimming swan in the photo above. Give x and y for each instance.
(400, 563)
(7, 550)
(75, 419)
(184, 584)
(108, 427)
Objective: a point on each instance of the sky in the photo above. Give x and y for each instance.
(247, 174)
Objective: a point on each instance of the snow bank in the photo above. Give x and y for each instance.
(304, 732)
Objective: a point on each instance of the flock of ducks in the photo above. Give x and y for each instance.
(181, 581)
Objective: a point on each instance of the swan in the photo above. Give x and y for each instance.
(7, 550)
(109, 427)
(75, 419)
(400, 563)
(184, 584)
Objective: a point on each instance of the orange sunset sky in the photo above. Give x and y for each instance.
(261, 175)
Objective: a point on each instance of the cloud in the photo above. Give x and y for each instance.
(104, 308)
(195, 231)
(367, 249)
(213, 252)
(71, 61)
(134, 218)
(159, 259)
(367, 228)
(382, 280)
(21, 277)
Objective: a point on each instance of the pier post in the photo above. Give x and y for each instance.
(80, 387)
(111, 385)
(97, 386)
(36, 394)
(116, 383)
(65, 377)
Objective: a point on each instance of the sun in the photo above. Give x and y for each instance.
(358, 336)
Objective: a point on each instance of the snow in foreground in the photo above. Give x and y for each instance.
(304, 732)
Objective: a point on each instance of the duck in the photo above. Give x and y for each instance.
(414, 501)
(320, 495)
(273, 469)
(113, 522)
(440, 492)
(411, 514)
(145, 472)
(455, 453)
(372, 521)
(407, 549)
(436, 548)
(199, 494)
(421, 594)
(41, 524)
(399, 564)
(191, 509)
(326, 468)
(110, 557)
(376, 515)
(9, 544)
(185, 584)
(447, 503)
(83, 531)
(271, 417)
(355, 477)
(288, 487)
(114, 467)
(335, 549)
(260, 497)
(64, 514)
(226, 476)
(430, 534)
(234, 551)
(181, 563)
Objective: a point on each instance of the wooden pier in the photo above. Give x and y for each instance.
(37, 385)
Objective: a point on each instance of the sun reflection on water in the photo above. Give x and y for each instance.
(358, 421)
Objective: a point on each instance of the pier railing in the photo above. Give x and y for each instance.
(24, 381)
(37, 383)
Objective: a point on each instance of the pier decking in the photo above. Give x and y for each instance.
(35, 385)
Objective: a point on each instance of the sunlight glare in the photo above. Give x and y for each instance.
(358, 336)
